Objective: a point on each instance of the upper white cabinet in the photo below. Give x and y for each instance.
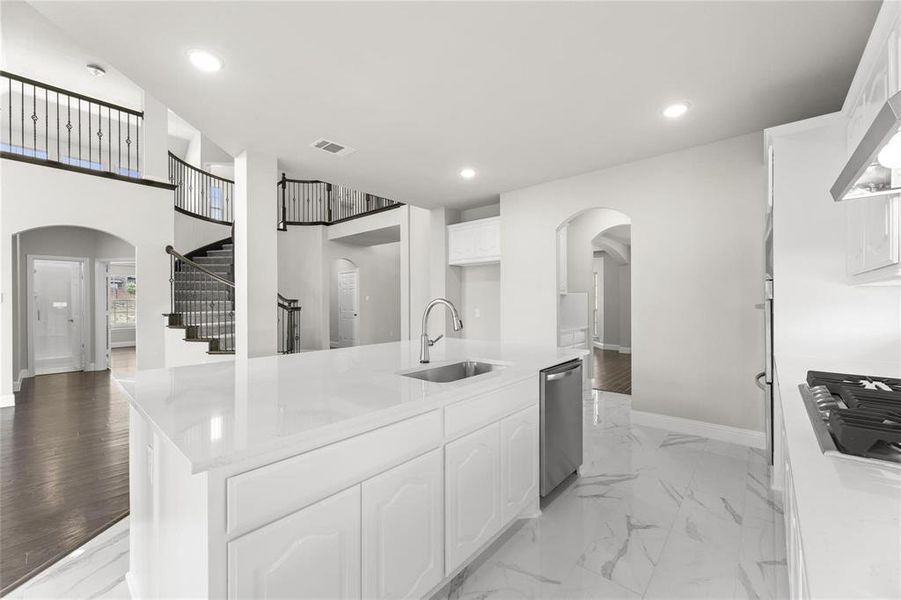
(474, 242)
(874, 229)
(473, 494)
(403, 529)
(313, 553)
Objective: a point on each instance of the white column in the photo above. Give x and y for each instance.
(256, 254)
(155, 140)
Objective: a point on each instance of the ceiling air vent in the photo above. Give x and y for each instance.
(332, 147)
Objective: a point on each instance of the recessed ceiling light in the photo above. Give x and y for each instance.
(467, 173)
(203, 60)
(96, 70)
(674, 111)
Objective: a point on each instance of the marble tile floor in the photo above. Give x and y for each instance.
(655, 514)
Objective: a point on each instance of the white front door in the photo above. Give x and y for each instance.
(348, 307)
(57, 315)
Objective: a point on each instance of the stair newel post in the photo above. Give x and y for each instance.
(329, 190)
(284, 211)
(171, 285)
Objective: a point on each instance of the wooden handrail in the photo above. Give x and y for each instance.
(182, 257)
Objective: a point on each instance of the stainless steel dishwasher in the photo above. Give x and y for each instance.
(561, 423)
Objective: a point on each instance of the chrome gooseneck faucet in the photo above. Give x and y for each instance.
(425, 342)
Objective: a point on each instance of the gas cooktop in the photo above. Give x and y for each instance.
(857, 416)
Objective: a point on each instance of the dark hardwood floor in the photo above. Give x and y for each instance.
(63, 466)
(612, 371)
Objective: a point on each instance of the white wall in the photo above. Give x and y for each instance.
(302, 274)
(615, 301)
(256, 253)
(33, 196)
(379, 290)
(816, 313)
(697, 270)
(192, 233)
(480, 291)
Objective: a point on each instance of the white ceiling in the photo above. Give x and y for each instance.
(522, 92)
(33, 47)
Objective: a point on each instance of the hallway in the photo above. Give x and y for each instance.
(63, 466)
(612, 371)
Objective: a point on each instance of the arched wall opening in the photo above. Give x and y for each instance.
(73, 298)
(35, 196)
(594, 293)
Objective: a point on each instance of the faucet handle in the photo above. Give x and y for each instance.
(435, 341)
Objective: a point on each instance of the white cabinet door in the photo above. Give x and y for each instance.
(313, 553)
(472, 465)
(519, 462)
(474, 242)
(403, 529)
(881, 232)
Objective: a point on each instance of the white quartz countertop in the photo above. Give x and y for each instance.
(221, 413)
(849, 512)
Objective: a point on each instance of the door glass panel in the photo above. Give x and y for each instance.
(57, 316)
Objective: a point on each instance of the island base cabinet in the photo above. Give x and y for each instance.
(473, 493)
(403, 529)
(519, 462)
(312, 553)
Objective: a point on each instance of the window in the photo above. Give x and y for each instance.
(33, 153)
(122, 290)
(216, 203)
(83, 163)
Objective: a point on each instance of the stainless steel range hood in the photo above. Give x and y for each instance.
(875, 167)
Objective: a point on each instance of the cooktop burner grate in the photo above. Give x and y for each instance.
(861, 414)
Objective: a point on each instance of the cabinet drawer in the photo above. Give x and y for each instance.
(469, 415)
(265, 494)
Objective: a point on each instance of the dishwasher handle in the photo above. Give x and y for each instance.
(556, 376)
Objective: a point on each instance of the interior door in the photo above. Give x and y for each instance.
(57, 315)
(348, 307)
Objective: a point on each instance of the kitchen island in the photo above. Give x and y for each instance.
(330, 474)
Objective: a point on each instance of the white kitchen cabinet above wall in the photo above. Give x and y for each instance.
(874, 224)
(474, 242)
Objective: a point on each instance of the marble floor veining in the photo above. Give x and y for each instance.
(654, 514)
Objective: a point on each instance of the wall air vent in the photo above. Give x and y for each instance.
(332, 147)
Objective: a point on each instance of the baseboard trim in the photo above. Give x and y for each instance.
(713, 431)
(17, 384)
(603, 346)
(126, 344)
(625, 350)
(7, 400)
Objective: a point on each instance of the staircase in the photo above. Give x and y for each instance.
(203, 299)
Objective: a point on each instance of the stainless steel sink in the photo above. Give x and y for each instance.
(454, 372)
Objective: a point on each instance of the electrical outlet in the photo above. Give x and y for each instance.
(478, 313)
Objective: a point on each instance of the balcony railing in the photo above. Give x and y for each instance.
(288, 317)
(314, 202)
(201, 194)
(43, 123)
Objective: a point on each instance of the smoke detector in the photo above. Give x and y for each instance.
(332, 147)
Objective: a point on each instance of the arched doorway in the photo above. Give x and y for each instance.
(594, 293)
